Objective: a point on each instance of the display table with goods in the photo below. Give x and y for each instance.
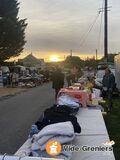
(76, 123)
(85, 92)
(93, 140)
(81, 95)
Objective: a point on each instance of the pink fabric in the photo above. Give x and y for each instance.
(81, 95)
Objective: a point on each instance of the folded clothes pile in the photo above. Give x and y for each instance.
(56, 115)
(56, 123)
(55, 132)
(69, 101)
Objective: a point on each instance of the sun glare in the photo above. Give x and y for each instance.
(54, 58)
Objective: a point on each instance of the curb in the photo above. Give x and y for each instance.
(11, 95)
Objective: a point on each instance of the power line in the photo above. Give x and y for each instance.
(100, 29)
(84, 37)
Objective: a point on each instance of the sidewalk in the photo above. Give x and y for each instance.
(10, 91)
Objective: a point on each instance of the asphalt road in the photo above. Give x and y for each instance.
(18, 113)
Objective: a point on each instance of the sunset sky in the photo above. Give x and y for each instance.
(57, 26)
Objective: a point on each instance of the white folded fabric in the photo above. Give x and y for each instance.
(61, 132)
(68, 101)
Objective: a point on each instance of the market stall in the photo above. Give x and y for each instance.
(75, 120)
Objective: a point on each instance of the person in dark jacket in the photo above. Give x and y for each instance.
(58, 80)
(108, 86)
(68, 79)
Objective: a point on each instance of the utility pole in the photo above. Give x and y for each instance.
(71, 53)
(106, 31)
(96, 54)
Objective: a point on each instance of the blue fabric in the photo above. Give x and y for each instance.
(63, 155)
(33, 130)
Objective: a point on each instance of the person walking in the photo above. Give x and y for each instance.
(57, 80)
(108, 86)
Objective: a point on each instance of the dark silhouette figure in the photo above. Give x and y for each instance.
(58, 80)
(108, 86)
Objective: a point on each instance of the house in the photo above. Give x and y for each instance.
(32, 61)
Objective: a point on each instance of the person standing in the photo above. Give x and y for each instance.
(68, 79)
(57, 80)
(74, 74)
(108, 86)
(1, 78)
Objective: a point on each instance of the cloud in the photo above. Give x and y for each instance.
(59, 25)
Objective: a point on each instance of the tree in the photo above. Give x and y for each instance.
(12, 30)
(111, 57)
(90, 62)
(73, 61)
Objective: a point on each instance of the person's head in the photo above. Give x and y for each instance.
(74, 70)
(107, 71)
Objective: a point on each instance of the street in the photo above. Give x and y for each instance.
(18, 113)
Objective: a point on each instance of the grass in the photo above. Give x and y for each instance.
(112, 121)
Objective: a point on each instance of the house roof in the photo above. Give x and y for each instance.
(31, 60)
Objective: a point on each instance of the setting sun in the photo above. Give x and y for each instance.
(54, 58)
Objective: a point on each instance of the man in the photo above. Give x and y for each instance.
(58, 80)
(108, 86)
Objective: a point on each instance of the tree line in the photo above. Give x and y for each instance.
(75, 61)
(12, 30)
